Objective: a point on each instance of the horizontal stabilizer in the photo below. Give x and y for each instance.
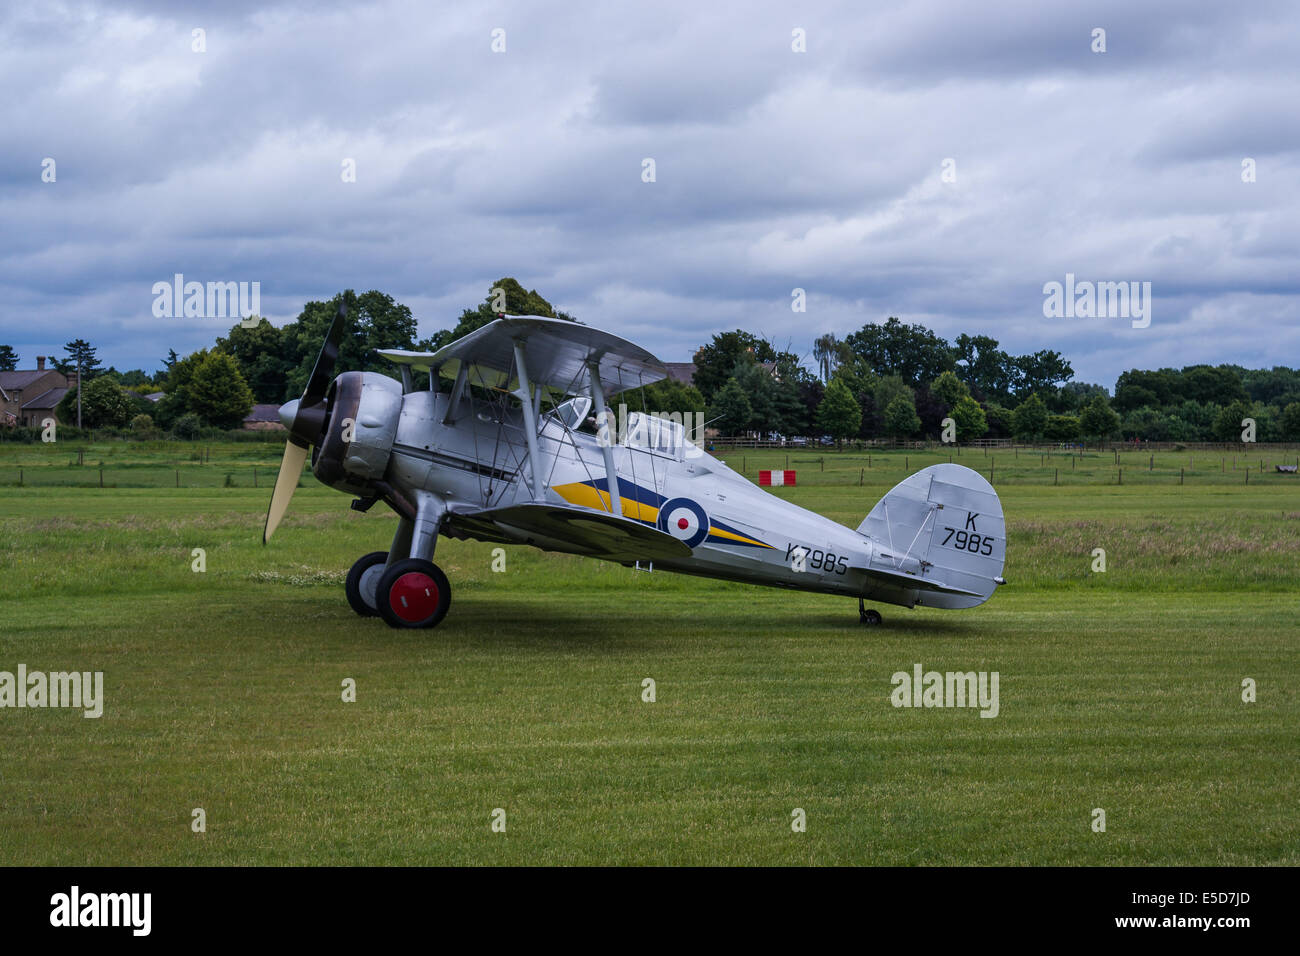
(903, 580)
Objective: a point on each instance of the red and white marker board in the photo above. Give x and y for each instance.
(776, 477)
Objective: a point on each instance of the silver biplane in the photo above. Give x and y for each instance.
(493, 437)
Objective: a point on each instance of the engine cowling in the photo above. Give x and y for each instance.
(364, 409)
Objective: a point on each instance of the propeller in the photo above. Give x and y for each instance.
(305, 418)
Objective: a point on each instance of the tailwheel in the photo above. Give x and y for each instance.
(363, 582)
(413, 593)
(868, 615)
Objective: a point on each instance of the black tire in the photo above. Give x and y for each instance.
(871, 617)
(413, 593)
(353, 587)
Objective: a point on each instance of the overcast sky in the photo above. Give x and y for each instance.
(774, 169)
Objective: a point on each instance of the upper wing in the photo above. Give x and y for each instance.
(556, 353)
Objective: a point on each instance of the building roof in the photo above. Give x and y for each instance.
(155, 396)
(683, 372)
(264, 413)
(47, 399)
(22, 378)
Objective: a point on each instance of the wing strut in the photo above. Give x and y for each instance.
(525, 395)
(457, 390)
(603, 439)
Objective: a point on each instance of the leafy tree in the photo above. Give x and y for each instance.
(1145, 423)
(1221, 385)
(142, 423)
(999, 419)
(218, 394)
(517, 301)
(134, 378)
(1029, 420)
(1098, 421)
(103, 404)
(1041, 372)
(1291, 422)
(886, 390)
(1199, 420)
(259, 353)
(760, 389)
(949, 389)
(375, 321)
(176, 387)
(1137, 388)
(930, 410)
(8, 358)
(861, 382)
(731, 411)
(187, 427)
(665, 396)
(901, 419)
(984, 367)
(839, 414)
(1072, 396)
(912, 352)
(969, 418)
(811, 394)
(790, 409)
(1062, 428)
(1278, 386)
(716, 362)
(1227, 423)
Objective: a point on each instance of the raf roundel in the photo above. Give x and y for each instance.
(683, 518)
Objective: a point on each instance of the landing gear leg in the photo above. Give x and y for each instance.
(868, 615)
(412, 591)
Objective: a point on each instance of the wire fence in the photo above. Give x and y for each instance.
(246, 466)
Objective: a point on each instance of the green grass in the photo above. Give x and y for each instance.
(1119, 690)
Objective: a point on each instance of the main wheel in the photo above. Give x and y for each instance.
(413, 593)
(363, 581)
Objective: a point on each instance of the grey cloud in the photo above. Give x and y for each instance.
(775, 169)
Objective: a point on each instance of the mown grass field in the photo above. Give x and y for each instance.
(1119, 691)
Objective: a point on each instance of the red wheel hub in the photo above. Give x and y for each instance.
(414, 596)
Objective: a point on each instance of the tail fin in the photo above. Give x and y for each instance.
(939, 539)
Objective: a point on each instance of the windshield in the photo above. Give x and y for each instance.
(659, 435)
(573, 412)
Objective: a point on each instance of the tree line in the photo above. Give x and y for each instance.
(888, 379)
(894, 380)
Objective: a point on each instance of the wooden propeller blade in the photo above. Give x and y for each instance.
(285, 482)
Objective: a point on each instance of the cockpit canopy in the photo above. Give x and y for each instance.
(660, 436)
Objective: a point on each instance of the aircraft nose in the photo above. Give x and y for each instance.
(288, 412)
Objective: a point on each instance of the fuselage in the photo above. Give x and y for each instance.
(736, 530)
